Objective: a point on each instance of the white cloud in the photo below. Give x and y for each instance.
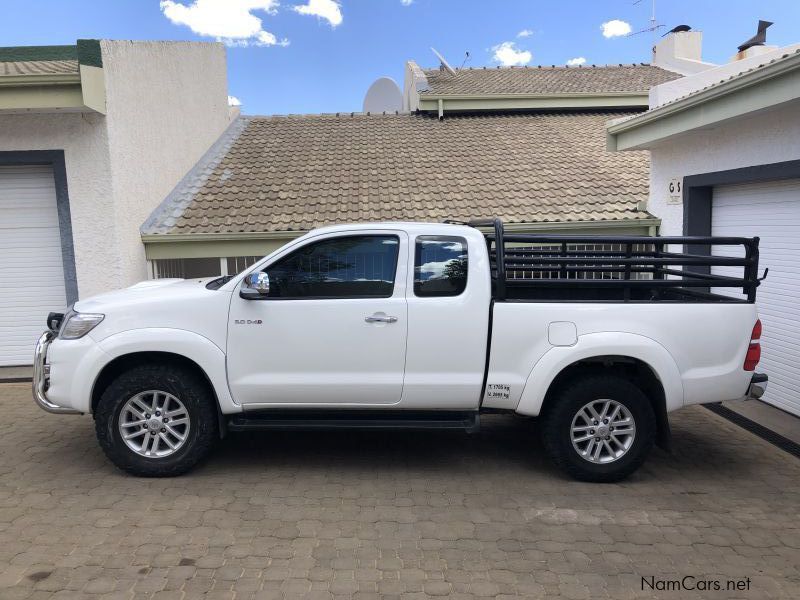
(509, 56)
(234, 101)
(576, 62)
(324, 9)
(615, 28)
(406, 2)
(229, 21)
(525, 33)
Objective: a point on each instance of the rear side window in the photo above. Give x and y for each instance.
(344, 267)
(440, 266)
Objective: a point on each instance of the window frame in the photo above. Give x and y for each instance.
(438, 238)
(314, 242)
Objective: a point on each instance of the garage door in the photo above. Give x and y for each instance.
(31, 271)
(771, 211)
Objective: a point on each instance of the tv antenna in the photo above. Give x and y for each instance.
(654, 25)
(443, 64)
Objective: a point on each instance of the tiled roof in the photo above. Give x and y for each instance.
(547, 80)
(300, 172)
(38, 67)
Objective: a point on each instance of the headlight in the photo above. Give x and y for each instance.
(76, 325)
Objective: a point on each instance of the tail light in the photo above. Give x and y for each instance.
(754, 349)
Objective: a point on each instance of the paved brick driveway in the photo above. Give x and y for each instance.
(397, 515)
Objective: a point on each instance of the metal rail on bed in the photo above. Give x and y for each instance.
(624, 268)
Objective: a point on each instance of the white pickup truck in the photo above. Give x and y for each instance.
(392, 325)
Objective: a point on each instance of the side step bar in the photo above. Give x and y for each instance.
(313, 420)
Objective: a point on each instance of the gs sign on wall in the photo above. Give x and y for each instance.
(675, 189)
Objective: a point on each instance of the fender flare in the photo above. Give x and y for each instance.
(197, 348)
(610, 343)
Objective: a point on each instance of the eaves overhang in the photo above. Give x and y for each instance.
(80, 88)
(761, 88)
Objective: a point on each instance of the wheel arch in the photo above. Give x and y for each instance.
(634, 356)
(139, 346)
(629, 368)
(125, 362)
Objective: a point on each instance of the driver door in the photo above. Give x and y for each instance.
(330, 331)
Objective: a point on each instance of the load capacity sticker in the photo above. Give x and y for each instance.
(495, 391)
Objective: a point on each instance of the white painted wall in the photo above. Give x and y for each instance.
(767, 137)
(414, 82)
(681, 52)
(166, 104)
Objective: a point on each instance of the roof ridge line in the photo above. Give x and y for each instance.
(551, 66)
(341, 114)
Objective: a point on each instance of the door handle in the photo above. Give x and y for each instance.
(380, 319)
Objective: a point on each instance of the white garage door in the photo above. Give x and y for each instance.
(31, 271)
(771, 211)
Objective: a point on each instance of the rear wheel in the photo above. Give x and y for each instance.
(156, 420)
(600, 428)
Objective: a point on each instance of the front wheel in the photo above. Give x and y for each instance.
(156, 420)
(599, 429)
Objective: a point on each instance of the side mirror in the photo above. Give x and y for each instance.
(255, 286)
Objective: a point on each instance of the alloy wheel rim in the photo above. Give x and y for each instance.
(154, 424)
(602, 431)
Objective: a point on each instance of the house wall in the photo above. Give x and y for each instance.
(763, 138)
(167, 102)
(84, 140)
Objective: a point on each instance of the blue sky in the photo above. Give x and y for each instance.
(307, 56)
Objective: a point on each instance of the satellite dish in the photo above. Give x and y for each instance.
(383, 95)
(445, 65)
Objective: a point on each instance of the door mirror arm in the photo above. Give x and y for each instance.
(255, 286)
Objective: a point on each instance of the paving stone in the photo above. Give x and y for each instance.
(393, 516)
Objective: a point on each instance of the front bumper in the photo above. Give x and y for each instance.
(758, 385)
(41, 377)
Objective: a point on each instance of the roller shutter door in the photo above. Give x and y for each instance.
(31, 271)
(771, 211)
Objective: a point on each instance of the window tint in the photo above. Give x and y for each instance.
(345, 267)
(440, 266)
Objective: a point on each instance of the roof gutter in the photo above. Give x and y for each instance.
(431, 96)
(40, 80)
(157, 238)
(472, 102)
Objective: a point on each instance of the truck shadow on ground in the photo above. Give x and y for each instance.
(506, 443)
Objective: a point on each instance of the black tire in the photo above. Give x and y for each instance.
(185, 385)
(561, 410)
